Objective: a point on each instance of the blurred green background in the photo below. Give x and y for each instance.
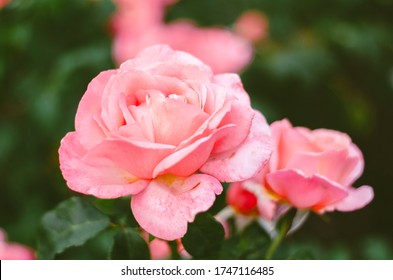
(324, 64)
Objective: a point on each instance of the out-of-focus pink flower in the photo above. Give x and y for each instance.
(165, 130)
(159, 249)
(3, 3)
(142, 25)
(135, 17)
(242, 200)
(221, 49)
(309, 169)
(252, 25)
(14, 251)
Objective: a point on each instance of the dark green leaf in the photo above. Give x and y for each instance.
(251, 243)
(129, 245)
(71, 223)
(204, 236)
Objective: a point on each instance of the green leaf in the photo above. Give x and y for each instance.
(129, 245)
(204, 236)
(250, 243)
(71, 223)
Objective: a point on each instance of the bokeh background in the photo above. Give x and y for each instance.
(323, 64)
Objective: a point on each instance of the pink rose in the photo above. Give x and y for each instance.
(309, 169)
(165, 130)
(140, 24)
(14, 251)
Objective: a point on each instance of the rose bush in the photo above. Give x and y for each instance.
(309, 170)
(14, 251)
(165, 130)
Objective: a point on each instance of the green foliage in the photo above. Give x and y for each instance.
(129, 245)
(249, 244)
(204, 236)
(71, 223)
(369, 248)
(376, 248)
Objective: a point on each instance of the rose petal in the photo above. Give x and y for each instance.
(234, 87)
(166, 206)
(188, 160)
(173, 120)
(327, 139)
(241, 117)
(127, 84)
(357, 198)
(212, 123)
(355, 153)
(89, 131)
(157, 56)
(305, 192)
(101, 178)
(289, 142)
(138, 158)
(338, 166)
(246, 160)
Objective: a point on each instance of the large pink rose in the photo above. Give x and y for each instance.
(139, 24)
(309, 169)
(14, 251)
(165, 130)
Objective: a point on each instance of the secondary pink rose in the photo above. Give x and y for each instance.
(14, 251)
(165, 130)
(140, 24)
(309, 169)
